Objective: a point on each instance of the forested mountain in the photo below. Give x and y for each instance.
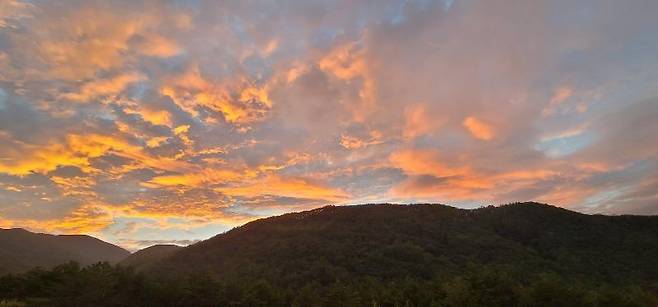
(21, 250)
(150, 255)
(396, 241)
(523, 254)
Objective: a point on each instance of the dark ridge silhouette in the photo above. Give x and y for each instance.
(521, 254)
(392, 241)
(21, 250)
(144, 257)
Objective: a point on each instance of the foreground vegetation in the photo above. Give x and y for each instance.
(106, 285)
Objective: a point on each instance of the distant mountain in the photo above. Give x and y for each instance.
(21, 250)
(423, 241)
(147, 256)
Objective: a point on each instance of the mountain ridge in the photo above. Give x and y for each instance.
(522, 254)
(536, 234)
(144, 257)
(23, 250)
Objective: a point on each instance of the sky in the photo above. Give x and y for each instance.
(144, 122)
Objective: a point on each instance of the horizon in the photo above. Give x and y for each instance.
(133, 248)
(174, 121)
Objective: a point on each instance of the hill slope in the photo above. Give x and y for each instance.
(424, 241)
(21, 250)
(147, 256)
(525, 254)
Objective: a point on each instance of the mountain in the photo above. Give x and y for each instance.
(22, 250)
(522, 254)
(144, 257)
(393, 241)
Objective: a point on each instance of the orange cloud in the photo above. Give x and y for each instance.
(182, 132)
(262, 124)
(478, 128)
(411, 188)
(348, 62)
(206, 176)
(11, 10)
(416, 121)
(88, 40)
(430, 178)
(156, 141)
(240, 102)
(103, 87)
(560, 95)
(286, 186)
(80, 42)
(30, 158)
(158, 46)
(351, 142)
(271, 46)
(567, 195)
(423, 162)
(156, 117)
(197, 210)
(88, 219)
(257, 94)
(77, 150)
(75, 186)
(345, 62)
(526, 175)
(293, 73)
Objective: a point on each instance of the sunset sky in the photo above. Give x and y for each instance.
(142, 122)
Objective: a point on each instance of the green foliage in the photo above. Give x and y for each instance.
(105, 285)
(425, 241)
(380, 255)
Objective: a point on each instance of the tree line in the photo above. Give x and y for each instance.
(103, 284)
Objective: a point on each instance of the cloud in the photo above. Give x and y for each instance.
(417, 121)
(431, 177)
(239, 102)
(87, 39)
(97, 88)
(478, 128)
(352, 142)
(153, 115)
(11, 11)
(149, 120)
(560, 96)
(85, 219)
(77, 150)
(207, 176)
(347, 62)
(288, 187)
(158, 46)
(423, 162)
